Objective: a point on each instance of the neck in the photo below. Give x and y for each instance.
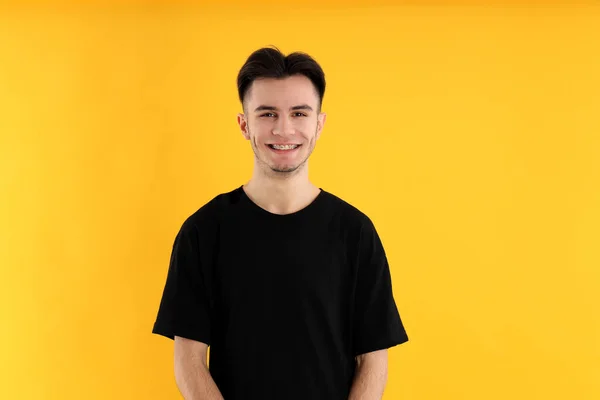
(281, 194)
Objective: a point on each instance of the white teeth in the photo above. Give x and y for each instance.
(284, 147)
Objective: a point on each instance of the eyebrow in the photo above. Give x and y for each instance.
(294, 108)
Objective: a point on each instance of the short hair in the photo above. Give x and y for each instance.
(270, 62)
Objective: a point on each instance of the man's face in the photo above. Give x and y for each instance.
(282, 122)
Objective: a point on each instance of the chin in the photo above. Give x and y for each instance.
(284, 169)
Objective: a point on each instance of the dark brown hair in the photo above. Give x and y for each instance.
(270, 62)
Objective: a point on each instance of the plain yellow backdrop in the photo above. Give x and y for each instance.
(469, 133)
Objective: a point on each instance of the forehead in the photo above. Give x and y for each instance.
(285, 92)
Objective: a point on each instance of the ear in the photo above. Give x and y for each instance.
(243, 123)
(320, 123)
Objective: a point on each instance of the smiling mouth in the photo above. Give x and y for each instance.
(284, 146)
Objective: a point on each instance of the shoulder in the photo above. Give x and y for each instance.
(208, 215)
(350, 215)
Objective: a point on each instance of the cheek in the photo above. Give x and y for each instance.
(262, 123)
(258, 130)
(308, 130)
(304, 125)
(261, 129)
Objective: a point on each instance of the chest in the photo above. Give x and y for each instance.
(281, 271)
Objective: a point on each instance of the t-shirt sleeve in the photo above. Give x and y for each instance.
(185, 304)
(377, 322)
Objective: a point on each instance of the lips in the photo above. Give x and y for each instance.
(284, 147)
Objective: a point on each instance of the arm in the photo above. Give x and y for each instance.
(377, 325)
(191, 372)
(370, 377)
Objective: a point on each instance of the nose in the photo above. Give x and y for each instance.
(284, 127)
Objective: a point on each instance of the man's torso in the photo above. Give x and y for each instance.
(282, 290)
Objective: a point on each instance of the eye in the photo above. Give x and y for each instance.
(268, 115)
(299, 114)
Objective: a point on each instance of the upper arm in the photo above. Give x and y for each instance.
(377, 322)
(189, 350)
(185, 307)
(378, 357)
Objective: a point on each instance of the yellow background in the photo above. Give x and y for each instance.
(470, 133)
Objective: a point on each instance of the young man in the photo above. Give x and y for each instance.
(288, 284)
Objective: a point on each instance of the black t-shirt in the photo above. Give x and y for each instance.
(285, 302)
